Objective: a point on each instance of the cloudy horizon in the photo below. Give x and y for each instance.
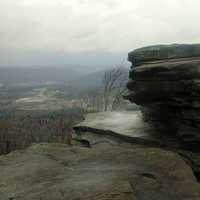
(87, 32)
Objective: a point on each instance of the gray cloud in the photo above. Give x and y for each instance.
(81, 26)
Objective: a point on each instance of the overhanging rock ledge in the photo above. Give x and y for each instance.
(165, 82)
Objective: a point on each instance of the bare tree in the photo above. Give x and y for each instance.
(114, 87)
(109, 94)
(92, 100)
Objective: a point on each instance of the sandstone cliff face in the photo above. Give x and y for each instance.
(165, 82)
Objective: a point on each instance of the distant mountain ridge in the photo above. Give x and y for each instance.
(91, 80)
(13, 75)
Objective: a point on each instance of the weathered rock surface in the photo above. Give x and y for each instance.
(162, 52)
(165, 81)
(121, 127)
(119, 172)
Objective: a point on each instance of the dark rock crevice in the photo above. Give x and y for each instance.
(193, 160)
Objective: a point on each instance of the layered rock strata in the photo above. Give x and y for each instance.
(165, 82)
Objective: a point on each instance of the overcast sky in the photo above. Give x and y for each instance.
(42, 32)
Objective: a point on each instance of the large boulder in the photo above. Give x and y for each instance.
(165, 82)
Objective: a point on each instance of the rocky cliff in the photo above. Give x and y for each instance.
(165, 82)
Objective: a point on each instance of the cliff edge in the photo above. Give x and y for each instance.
(165, 82)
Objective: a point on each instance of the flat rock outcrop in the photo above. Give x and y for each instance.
(165, 82)
(119, 172)
(121, 127)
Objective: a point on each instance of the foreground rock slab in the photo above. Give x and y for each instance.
(119, 172)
